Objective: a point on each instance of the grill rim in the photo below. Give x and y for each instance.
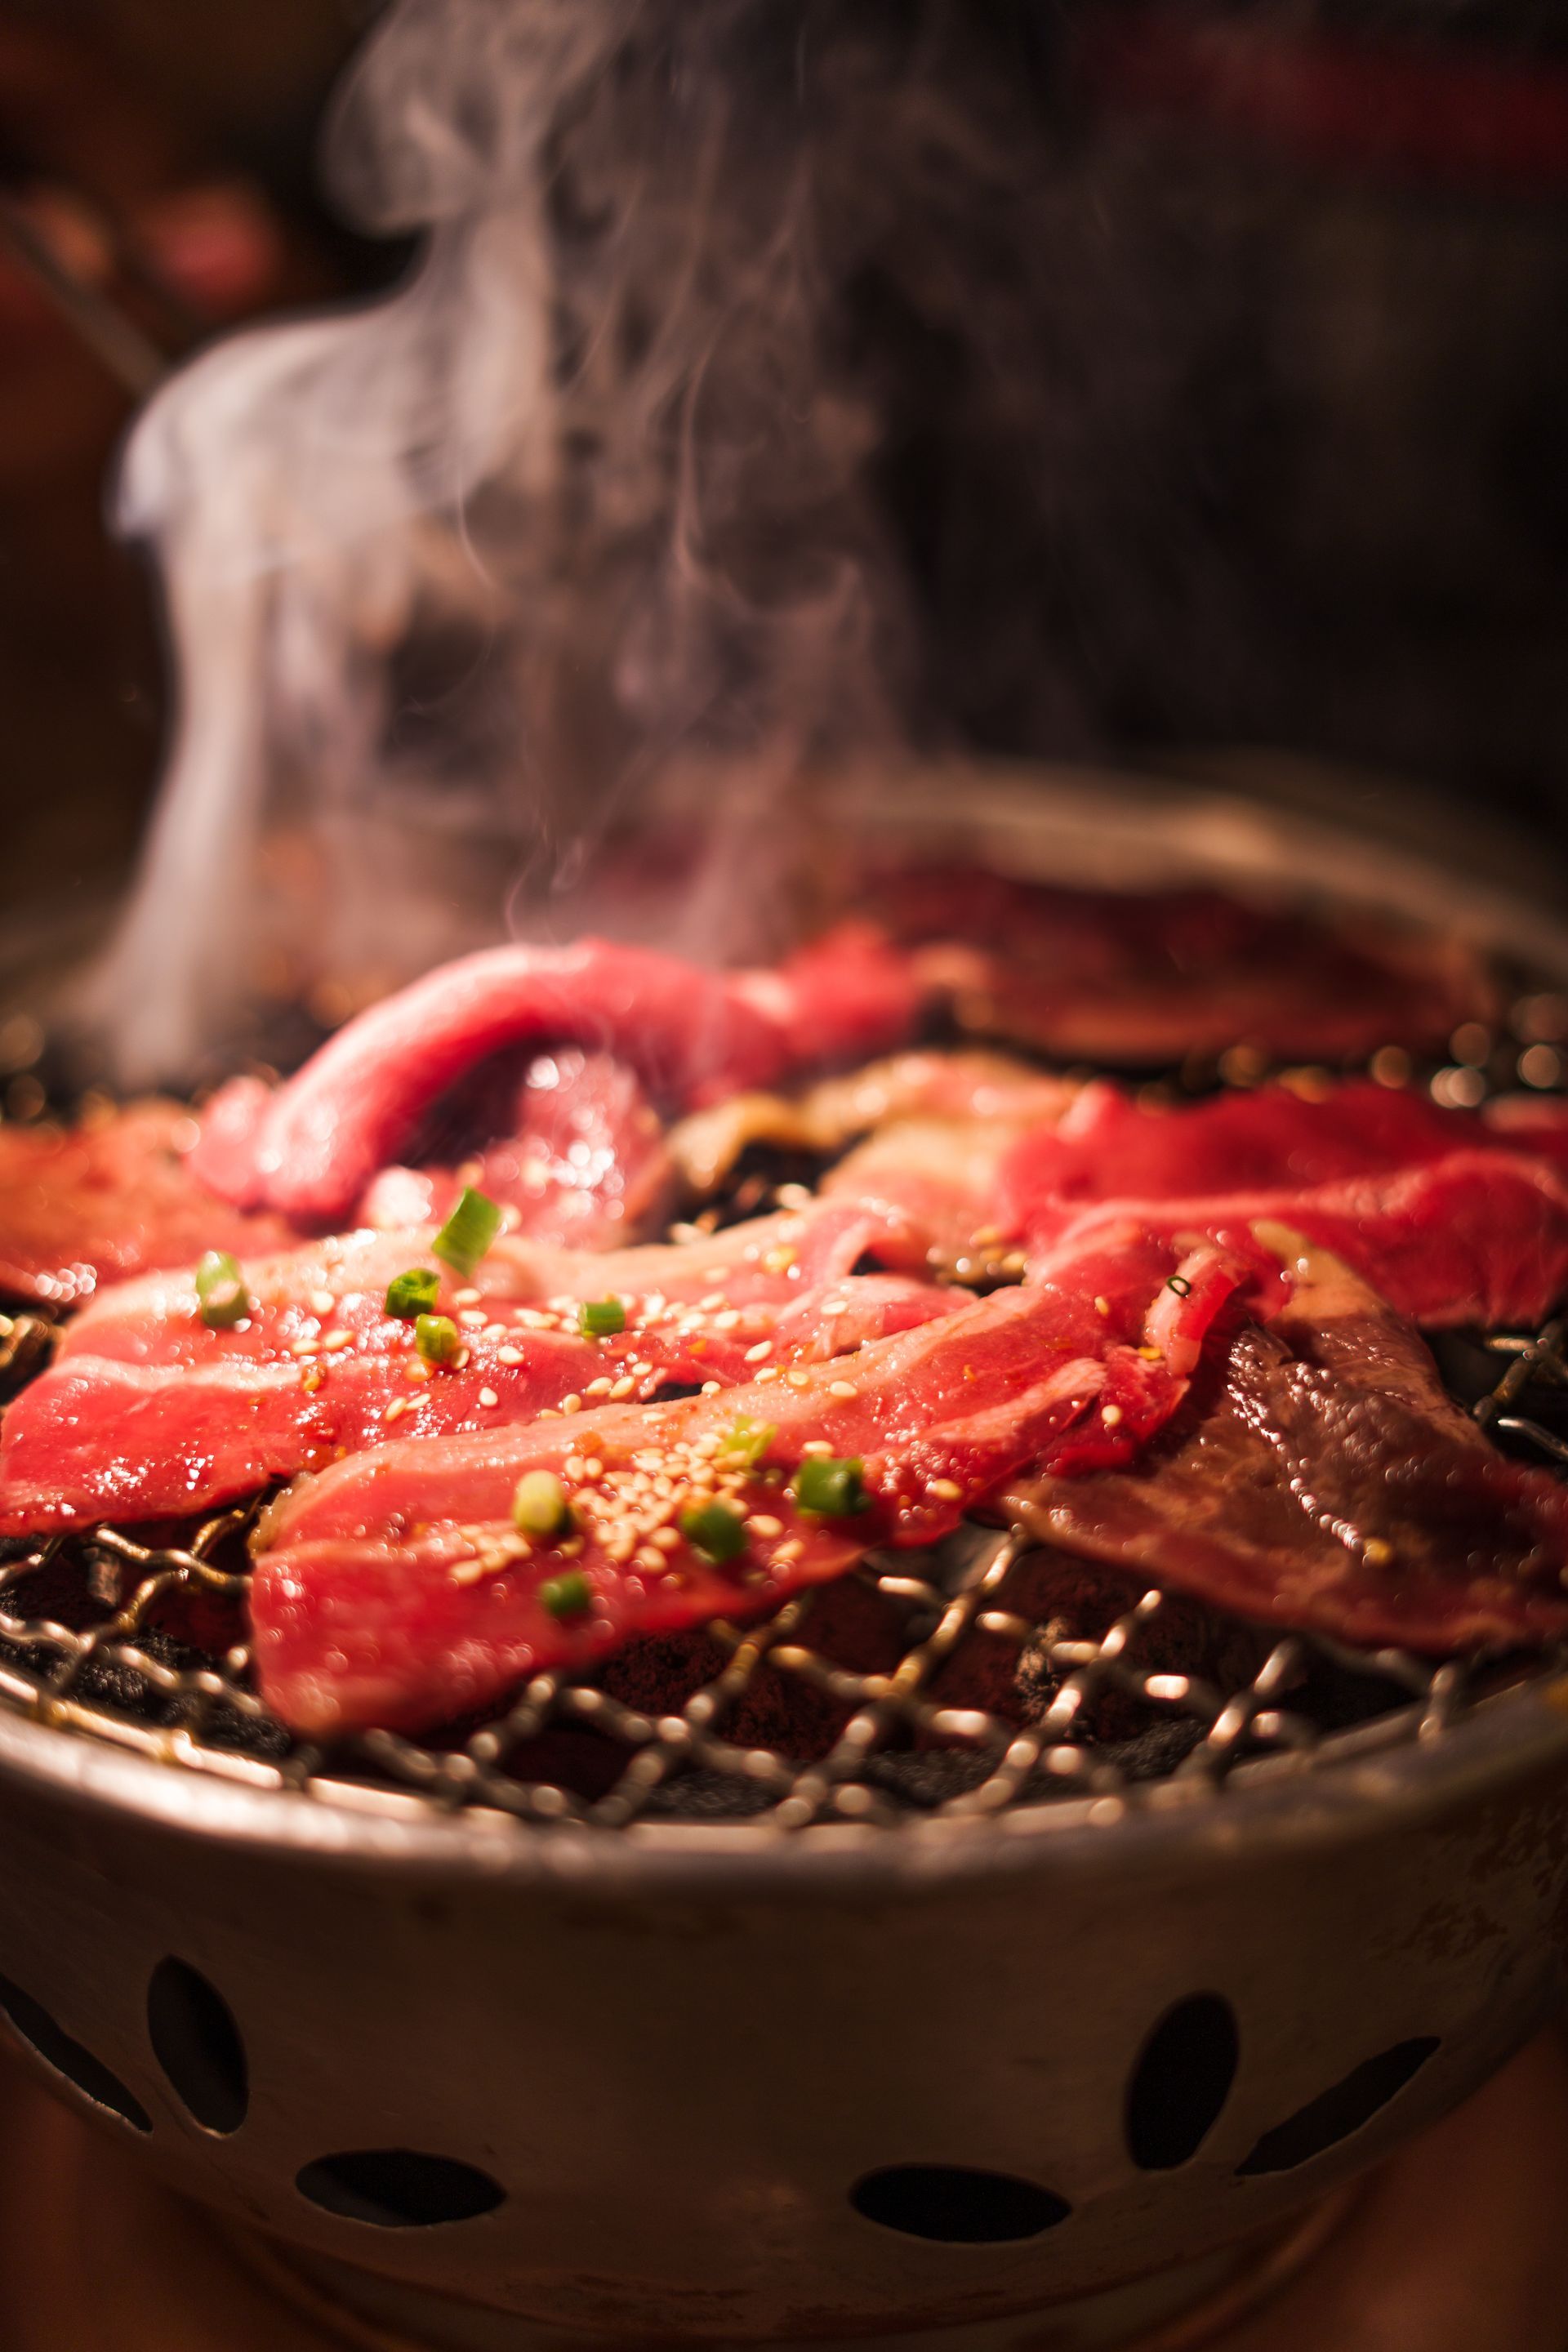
(1269, 1805)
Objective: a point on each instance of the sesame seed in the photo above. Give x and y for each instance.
(399, 1405)
(714, 1299)
(416, 1368)
(336, 1341)
(572, 1466)
(728, 1320)
(789, 1551)
(947, 1490)
(571, 1404)
(645, 1556)
(593, 1467)
(488, 1396)
(797, 1380)
(601, 1387)
(768, 1373)
(623, 1386)
(304, 1348)
(761, 1524)
(780, 1260)
(842, 1389)
(1111, 1416)
(322, 1302)
(711, 1387)
(666, 1538)
(816, 1445)
(756, 1355)
(509, 1355)
(472, 1318)
(1102, 1305)
(466, 1297)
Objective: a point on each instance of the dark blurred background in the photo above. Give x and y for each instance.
(1333, 521)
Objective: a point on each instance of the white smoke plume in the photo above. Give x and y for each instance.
(736, 409)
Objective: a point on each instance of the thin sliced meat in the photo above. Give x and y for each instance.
(1533, 1123)
(1319, 1478)
(578, 1152)
(1113, 1145)
(924, 1083)
(146, 1412)
(93, 1204)
(310, 1148)
(395, 1589)
(1147, 978)
(943, 1173)
(1438, 1210)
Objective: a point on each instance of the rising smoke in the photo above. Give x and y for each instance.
(732, 411)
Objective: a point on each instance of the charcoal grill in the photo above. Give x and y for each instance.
(952, 2021)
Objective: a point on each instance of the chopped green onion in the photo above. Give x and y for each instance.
(468, 1231)
(438, 1337)
(601, 1318)
(830, 1489)
(571, 1595)
(539, 1506)
(715, 1530)
(746, 1441)
(220, 1291)
(414, 1293)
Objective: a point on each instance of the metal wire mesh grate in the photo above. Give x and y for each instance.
(853, 1702)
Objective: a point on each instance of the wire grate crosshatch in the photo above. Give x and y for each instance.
(85, 1645)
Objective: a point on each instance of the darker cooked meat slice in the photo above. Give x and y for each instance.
(1321, 1478)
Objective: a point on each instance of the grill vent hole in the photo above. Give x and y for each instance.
(1335, 2113)
(1180, 2082)
(198, 2045)
(954, 2205)
(90, 2076)
(399, 2187)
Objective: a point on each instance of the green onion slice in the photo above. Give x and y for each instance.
(539, 1506)
(414, 1293)
(221, 1294)
(469, 1231)
(438, 1337)
(831, 1489)
(715, 1530)
(570, 1595)
(746, 1441)
(601, 1318)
